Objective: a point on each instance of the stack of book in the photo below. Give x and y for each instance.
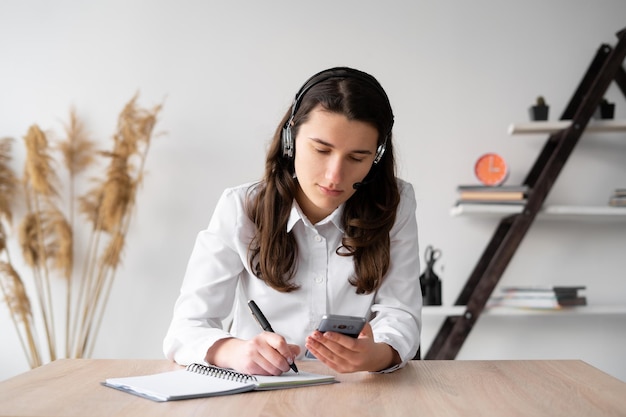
(482, 194)
(618, 199)
(539, 297)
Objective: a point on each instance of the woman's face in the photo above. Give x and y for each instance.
(332, 153)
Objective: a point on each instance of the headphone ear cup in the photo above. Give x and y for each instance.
(287, 142)
(380, 152)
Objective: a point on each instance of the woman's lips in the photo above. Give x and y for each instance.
(330, 191)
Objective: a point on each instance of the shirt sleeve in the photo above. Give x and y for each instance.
(397, 305)
(208, 290)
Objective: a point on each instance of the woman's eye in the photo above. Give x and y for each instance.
(353, 158)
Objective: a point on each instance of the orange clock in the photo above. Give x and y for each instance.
(491, 169)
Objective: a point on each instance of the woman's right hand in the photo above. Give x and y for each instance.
(265, 354)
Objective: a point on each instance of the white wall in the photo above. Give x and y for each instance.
(457, 74)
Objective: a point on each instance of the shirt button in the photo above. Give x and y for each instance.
(319, 279)
(318, 238)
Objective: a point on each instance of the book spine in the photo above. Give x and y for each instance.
(494, 189)
(477, 195)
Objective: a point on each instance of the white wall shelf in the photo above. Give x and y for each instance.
(555, 210)
(486, 209)
(581, 310)
(554, 126)
(514, 311)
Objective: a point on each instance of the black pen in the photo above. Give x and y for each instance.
(265, 325)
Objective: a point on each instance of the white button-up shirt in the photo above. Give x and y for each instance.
(218, 282)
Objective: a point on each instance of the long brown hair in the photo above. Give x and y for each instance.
(367, 216)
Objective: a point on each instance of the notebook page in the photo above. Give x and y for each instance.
(177, 385)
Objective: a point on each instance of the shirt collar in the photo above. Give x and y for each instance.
(297, 215)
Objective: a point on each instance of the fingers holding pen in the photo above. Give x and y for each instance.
(272, 353)
(256, 356)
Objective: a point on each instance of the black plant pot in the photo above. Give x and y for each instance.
(539, 112)
(605, 110)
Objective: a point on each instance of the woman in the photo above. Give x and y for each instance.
(328, 230)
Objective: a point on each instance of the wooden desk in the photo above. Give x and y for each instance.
(71, 387)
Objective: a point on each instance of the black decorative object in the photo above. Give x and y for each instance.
(429, 281)
(540, 110)
(605, 110)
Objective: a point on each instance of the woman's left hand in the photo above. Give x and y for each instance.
(347, 354)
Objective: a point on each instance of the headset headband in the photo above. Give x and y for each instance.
(337, 72)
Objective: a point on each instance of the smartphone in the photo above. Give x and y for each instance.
(348, 325)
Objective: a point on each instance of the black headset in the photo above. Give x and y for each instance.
(337, 72)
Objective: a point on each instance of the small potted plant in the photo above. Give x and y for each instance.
(540, 110)
(605, 110)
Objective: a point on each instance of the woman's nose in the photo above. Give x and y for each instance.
(334, 170)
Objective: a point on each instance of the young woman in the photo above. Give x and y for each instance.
(328, 230)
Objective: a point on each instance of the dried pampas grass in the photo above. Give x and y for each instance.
(46, 231)
(11, 285)
(77, 149)
(38, 171)
(108, 206)
(8, 181)
(18, 302)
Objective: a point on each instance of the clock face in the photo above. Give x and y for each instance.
(491, 169)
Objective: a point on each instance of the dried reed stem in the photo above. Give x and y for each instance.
(77, 151)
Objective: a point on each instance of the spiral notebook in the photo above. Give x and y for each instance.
(198, 380)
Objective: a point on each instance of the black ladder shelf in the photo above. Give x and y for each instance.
(605, 68)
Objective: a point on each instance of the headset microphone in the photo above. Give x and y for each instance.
(358, 185)
(369, 178)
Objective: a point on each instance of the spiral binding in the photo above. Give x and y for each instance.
(222, 373)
